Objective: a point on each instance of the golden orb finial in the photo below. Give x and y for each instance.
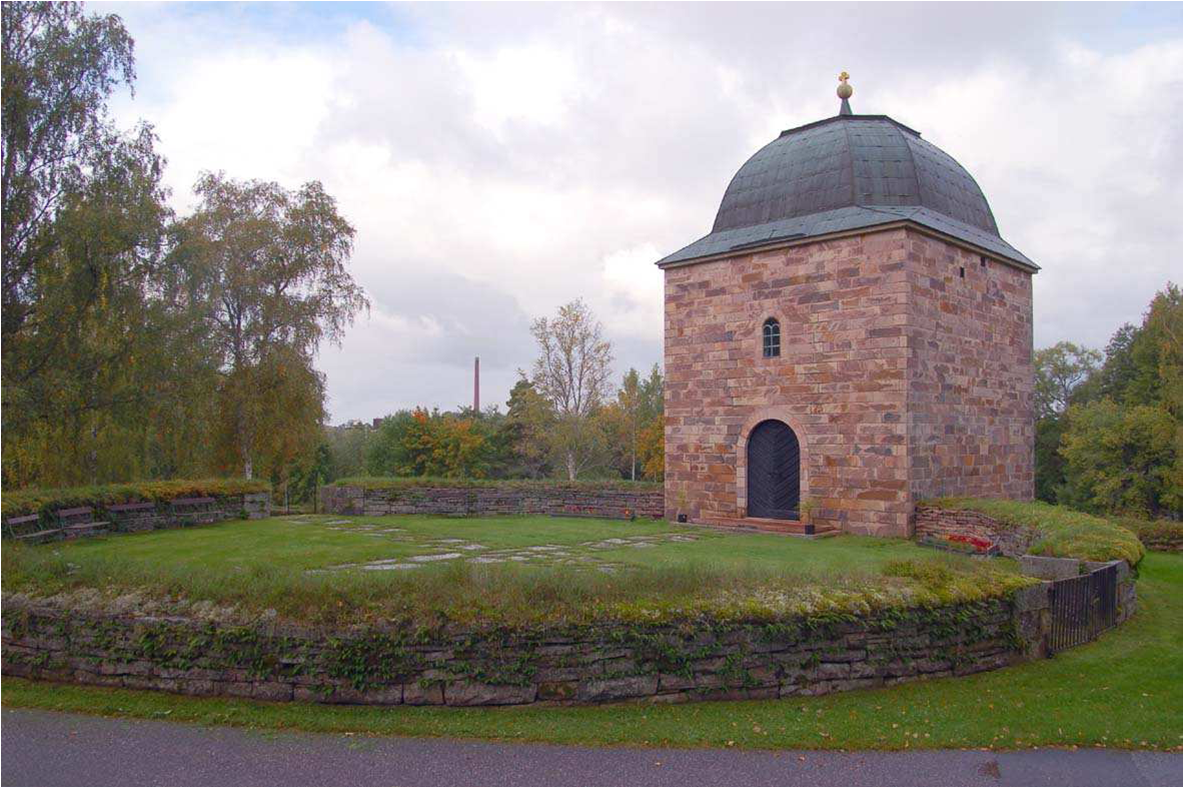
(844, 90)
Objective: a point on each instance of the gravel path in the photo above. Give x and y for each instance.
(49, 748)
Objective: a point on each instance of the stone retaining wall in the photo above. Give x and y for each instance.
(693, 660)
(604, 663)
(933, 521)
(511, 498)
(250, 506)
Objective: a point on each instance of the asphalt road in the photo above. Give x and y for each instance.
(48, 748)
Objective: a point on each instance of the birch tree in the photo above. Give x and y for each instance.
(269, 267)
(572, 371)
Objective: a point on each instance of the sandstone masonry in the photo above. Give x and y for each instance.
(905, 372)
(1013, 541)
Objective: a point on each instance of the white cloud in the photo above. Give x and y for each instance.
(498, 161)
(532, 83)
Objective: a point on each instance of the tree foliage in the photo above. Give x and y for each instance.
(136, 346)
(269, 266)
(1109, 437)
(572, 372)
(1121, 460)
(1060, 369)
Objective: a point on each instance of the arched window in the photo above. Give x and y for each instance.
(771, 339)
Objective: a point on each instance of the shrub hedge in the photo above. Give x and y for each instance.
(1064, 532)
(402, 482)
(36, 500)
(1155, 534)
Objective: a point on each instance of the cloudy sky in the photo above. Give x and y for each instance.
(500, 160)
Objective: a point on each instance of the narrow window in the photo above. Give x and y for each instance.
(771, 339)
(962, 271)
(982, 261)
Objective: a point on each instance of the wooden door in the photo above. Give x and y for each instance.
(774, 471)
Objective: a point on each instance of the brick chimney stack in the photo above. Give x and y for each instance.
(477, 385)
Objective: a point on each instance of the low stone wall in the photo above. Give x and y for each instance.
(511, 498)
(597, 664)
(250, 505)
(933, 521)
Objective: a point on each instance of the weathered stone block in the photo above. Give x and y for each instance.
(415, 694)
(1050, 568)
(618, 688)
(472, 693)
(672, 682)
(831, 670)
(271, 690)
(558, 690)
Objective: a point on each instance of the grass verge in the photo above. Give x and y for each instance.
(1154, 534)
(1064, 532)
(1121, 691)
(35, 499)
(278, 567)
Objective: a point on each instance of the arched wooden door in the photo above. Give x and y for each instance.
(774, 471)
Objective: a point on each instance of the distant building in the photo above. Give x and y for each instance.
(853, 332)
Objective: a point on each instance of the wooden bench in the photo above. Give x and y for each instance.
(27, 528)
(137, 516)
(195, 510)
(80, 521)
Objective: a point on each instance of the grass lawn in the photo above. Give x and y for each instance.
(305, 542)
(327, 569)
(1122, 691)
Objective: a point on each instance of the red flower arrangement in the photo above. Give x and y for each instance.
(962, 543)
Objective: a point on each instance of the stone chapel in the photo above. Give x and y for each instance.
(851, 337)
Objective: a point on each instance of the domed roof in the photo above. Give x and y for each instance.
(845, 173)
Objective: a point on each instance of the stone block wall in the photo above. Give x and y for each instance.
(905, 372)
(255, 506)
(608, 662)
(839, 382)
(252, 506)
(971, 427)
(935, 521)
(608, 502)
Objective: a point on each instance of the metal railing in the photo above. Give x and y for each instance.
(1082, 608)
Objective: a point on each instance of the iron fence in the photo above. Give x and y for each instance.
(1083, 608)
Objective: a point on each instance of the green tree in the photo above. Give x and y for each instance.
(87, 326)
(269, 265)
(1156, 355)
(1116, 374)
(349, 445)
(1122, 460)
(1060, 369)
(652, 393)
(305, 479)
(637, 403)
(387, 453)
(626, 423)
(59, 68)
(572, 372)
(1063, 374)
(526, 429)
(652, 450)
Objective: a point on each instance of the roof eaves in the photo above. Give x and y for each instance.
(876, 219)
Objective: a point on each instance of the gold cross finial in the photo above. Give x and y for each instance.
(845, 91)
